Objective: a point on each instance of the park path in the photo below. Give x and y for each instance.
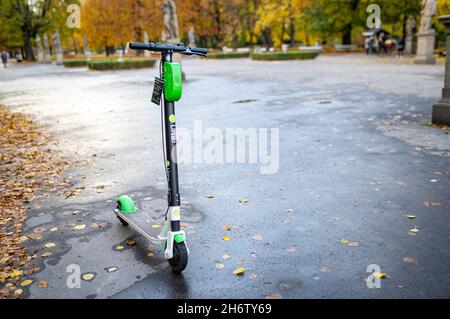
(356, 156)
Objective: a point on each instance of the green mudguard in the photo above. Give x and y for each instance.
(127, 205)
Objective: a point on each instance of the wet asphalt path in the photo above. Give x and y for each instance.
(356, 156)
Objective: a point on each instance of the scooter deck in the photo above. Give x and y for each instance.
(143, 223)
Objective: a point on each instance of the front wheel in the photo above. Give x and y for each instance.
(124, 223)
(180, 257)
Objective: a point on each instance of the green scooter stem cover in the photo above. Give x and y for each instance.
(127, 205)
(172, 81)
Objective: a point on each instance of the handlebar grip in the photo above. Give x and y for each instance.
(199, 50)
(139, 46)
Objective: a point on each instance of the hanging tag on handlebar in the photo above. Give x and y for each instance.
(157, 90)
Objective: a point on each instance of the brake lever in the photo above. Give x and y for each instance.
(189, 53)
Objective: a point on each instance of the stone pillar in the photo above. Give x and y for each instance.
(441, 110)
(40, 53)
(47, 55)
(425, 48)
(409, 45)
(86, 52)
(58, 48)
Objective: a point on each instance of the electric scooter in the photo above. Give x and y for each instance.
(169, 85)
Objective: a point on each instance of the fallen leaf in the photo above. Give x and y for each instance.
(379, 275)
(226, 227)
(410, 216)
(53, 229)
(289, 210)
(26, 282)
(353, 244)
(344, 241)
(49, 245)
(112, 269)
(88, 276)
(131, 242)
(120, 247)
(18, 292)
(226, 237)
(226, 256)
(209, 196)
(274, 296)
(15, 273)
(257, 237)
(431, 204)
(409, 260)
(252, 276)
(243, 201)
(325, 269)
(414, 230)
(220, 266)
(239, 271)
(46, 254)
(42, 284)
(156, 226)
(79, 227)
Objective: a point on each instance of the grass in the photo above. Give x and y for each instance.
(228, 55)
(283, 56)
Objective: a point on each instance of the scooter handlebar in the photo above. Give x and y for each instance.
(139, 46)
(160, 47)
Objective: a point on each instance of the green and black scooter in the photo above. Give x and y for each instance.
(168, 85)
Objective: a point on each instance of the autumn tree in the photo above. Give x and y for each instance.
(23, 20)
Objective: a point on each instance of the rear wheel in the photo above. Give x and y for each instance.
(124, 223)
(180, 257)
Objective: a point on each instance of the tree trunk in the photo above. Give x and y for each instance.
(292, 32)
(347, 34)
(29, 50)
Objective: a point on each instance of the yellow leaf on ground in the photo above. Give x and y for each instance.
(220, 266)
(344, 241)
(88, 277)
(156, 226)
(379, 275)
(26, 282)
(15, 273)
(112, 269)
(49, 245)
(18, 292)
(42, 284)
(239, 271)
(79, 227)
(226, 237)
(120, 247)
